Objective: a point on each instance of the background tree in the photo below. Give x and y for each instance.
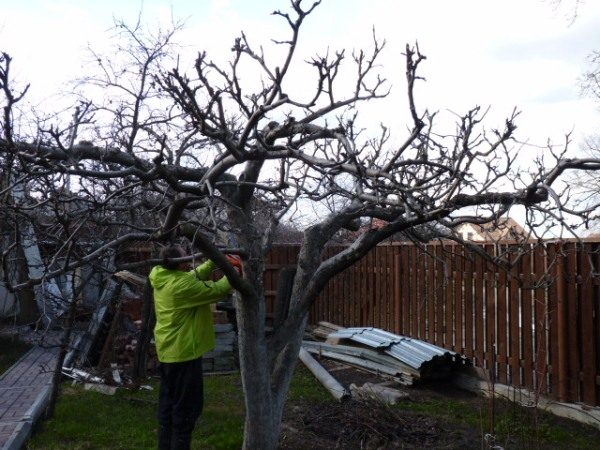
(224, 153)
(587, 185)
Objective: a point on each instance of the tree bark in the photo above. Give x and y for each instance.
(148, 322)
(285, 285)
(64, 347)
(261, 430)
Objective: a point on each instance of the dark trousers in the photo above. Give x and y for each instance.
(180, 403)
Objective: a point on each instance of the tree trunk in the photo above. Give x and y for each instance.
(283, 371)
(285, 284)
(261, 431)
(265, 389)
(64, 347)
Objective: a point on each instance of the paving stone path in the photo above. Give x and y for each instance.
(24, 393)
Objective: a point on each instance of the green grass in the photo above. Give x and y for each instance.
(127, 420)
(511, 423)
(90, 420)
(10, 351)
(304, 386)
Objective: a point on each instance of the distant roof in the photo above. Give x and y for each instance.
(503, 228)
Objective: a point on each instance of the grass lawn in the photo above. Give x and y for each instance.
(10, 351)
(127, 420)
(90, 420)
(514, 426)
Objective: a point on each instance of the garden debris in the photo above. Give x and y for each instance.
(79, 354)
(115, 373)
(102, 388)
(143, 401)
(490, 442)
(80, 375)
(336, 389)
(378, 392)
(369, 424)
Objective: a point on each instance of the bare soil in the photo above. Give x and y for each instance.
(369, 424)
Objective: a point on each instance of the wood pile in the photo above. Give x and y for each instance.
(324, 329)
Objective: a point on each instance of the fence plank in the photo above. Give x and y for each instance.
(449, 300)
(422, 298)
(414, 292)
(370, 268)
(515, 324)
(339, 299)
(362, 292)
(391, 287)
(386, 286)
(356, 293)
(588, 344)
(431, 294)
(458, 322)
(572, 299)
(368, 301)
(596, 302)
(397, 292)
(329, 301)
(490, 313)
(383, 287)
(527, 332)
(468, 294)
(479, 299)
(406, 287)
(541, 322)
(379, 288)
(440, 295)
(501, 306)
(558, 316)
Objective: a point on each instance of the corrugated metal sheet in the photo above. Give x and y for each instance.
(413, 352)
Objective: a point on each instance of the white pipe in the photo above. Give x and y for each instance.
(336, 389)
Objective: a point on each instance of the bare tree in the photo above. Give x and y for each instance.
(223, 161)
(587, 185)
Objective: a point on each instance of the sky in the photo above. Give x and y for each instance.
(524, 54)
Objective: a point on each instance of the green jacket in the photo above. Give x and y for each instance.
(184, 325)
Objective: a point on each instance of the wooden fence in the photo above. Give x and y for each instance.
(534, 323)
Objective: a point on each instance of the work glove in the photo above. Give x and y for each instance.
(236, 262)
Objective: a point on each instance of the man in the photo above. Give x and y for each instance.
(184, 332)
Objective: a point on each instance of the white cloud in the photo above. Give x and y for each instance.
(503, 54)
